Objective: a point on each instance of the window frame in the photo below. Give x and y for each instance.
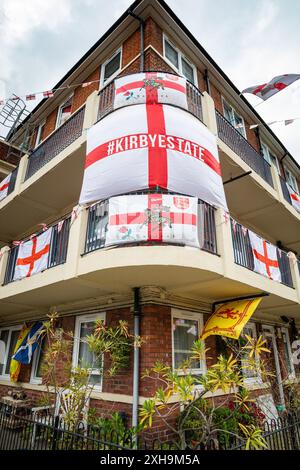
(187, 315)
(257, 379)
(89, 318)
(292, 178)
(38, 139)
(59, 113)
(35, 363)
(180, 57)
(233, 110)
(10, 330)
(114, 75)
(285, 331)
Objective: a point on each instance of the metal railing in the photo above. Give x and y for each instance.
(285, 190)
(243, 148)
(61, 138)
(243, 254)
(57, 255)
(106, 100)
(12, 181)
(98, 222)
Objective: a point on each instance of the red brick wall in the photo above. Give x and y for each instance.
(131, 47)
(50, 123)
(8, 154)
(82, 93)
(153, 35)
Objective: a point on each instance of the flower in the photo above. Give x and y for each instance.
(123, 229)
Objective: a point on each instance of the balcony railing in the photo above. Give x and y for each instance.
(285, 190)
(241, 147)
(58, 250)
(12, 181)
(98, 221)
(243, 254)
(106, 100)
(55, 143)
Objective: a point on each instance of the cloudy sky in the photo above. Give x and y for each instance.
(252, 42)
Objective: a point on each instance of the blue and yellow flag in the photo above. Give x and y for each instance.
(15, 366)
(230, 318)
(27, 347)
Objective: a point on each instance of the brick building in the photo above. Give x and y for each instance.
(87, 281)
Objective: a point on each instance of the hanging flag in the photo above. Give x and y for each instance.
(288, 121)
(152, 217)
(33, 255)
(15, 366)
(29, 344)
(265, 257)
(230, 318)
(60, 225)
(86, 84)
(30, 97)
(48, 94)
(2, 351)
(4, 185)
(150, 88)
(295, 198)
(266, 90)
(151, 146)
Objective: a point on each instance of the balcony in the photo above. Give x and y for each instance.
(243, 149)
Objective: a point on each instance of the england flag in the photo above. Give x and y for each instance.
(4, 185)
(295, 198)
(150, 88)
(154, 218)
(152, 146)
(265, 257)
(33, 255)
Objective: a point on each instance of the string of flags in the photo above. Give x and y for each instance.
(266, 90)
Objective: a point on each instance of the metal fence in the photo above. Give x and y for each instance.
(12, 181)
(285, 190)
(243, 148)
(106, 100)
(98, 222)
(56, 142)
(58, 250)
(243, 254)
(28, 431)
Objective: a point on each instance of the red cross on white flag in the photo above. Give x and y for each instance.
(33, 255)
(295, 198)
(265, 257)
(4, 185)
(153, 217)
(150, 87)
(266, 90)
(149, 146)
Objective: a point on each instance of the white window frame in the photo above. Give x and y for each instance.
(113, 76)
(290, 177)
(224, 101)
(285, 331)
(180, 57)
(35, 362)
(267, 156)
(38, 139)
(257, 378)
(187, 315)
(59, 112)
(79, 320)
(10, 329)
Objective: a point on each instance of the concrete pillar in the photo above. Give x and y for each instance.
(4, 256)
(224, 240)
(295, 273)
(91, 110)
(209, 113)
(77, 238)
(277, 184)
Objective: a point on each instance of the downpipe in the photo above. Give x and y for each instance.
(136, 358)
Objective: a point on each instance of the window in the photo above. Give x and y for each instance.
(181, 63)
(251, 374)
(64, 111)
(37, 362)
(291, 180)
(266, 152)
(234, 118)
(288, 353)
(82, 355)
(39, 135)
(186, 328)
(10, 337)
(111, 67)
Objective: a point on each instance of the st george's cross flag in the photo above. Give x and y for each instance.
(295, 198)
(150, 146)
(33, 255)
(266, 90)
(265, 257)
(151, 88)
(153, 217)
(4, 185)
(29, 344)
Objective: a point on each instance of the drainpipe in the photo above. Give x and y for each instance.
(142, 24)
(136, 357)
(207, 82)
(282, 167)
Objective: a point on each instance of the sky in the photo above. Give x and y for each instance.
(252, 41)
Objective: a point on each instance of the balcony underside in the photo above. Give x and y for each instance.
(253, 202)
(185, 272)
(45, 194)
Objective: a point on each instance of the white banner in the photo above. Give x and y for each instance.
(4, 185)
(33, 255)
(149, 146)
(295, 198)
(153, 217)
(150, 88)
(265, 257)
